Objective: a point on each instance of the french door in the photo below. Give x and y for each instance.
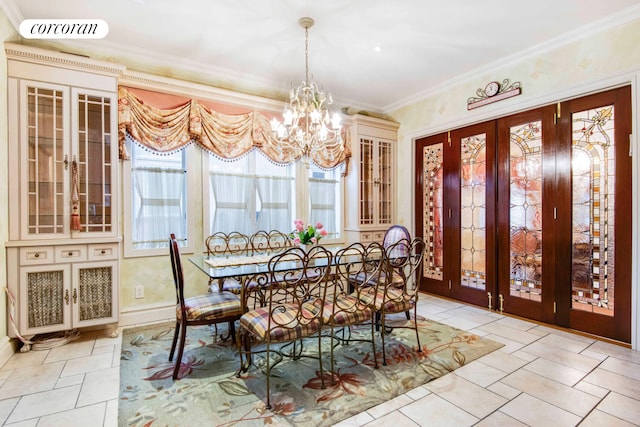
(530, 214)
(459, 227)
(595, 182)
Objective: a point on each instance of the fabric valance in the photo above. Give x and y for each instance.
(226, 135)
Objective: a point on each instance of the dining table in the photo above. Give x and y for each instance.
(248, 269)
(253, 267)
(220, 267)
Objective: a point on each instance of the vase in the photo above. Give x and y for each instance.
(306, 247)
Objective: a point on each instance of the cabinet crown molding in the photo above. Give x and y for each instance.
(36, 55)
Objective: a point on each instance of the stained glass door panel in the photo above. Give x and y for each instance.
(525, 211)
(525, 214)
(473, 210)
(433, 211)
(593, 177)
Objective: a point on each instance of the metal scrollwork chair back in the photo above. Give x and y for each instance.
(294, 298)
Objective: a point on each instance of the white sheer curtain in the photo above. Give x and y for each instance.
(275, 200)
(232, 195)
(322, 195)
(158, 207)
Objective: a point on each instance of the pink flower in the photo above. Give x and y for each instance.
(307, 233)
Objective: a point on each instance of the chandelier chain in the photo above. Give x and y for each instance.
(306, 54)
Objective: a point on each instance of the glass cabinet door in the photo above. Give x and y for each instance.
(376, 181)
(47, 161)
(93, 154)
(367, 183)
(384, 182)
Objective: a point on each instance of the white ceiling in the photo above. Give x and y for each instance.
(257, 46)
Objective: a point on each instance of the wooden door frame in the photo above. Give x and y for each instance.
(618, 327)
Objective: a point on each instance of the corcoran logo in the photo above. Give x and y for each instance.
(64, 29)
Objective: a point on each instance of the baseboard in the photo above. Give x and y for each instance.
(8, 347)
(147, 314)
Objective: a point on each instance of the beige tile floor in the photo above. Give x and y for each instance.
(541, 377)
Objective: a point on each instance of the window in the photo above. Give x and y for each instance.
(325, 199)
(249, 194)
(158, 203)
(252, 193)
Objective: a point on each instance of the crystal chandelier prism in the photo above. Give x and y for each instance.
(308, 126)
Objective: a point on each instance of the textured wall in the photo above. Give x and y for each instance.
(596, 56)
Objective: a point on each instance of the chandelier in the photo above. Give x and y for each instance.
(308, 127)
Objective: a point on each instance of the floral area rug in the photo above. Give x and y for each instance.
(209, 393)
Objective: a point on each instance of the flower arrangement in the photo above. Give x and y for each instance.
(307, 235)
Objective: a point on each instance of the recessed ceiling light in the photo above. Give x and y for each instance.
(377, 48)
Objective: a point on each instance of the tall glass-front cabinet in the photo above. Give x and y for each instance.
(370, 191)
(63, 248)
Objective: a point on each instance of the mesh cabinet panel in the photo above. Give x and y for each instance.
(45, 298)
(95, 298)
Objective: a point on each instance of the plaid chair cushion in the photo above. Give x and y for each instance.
(348, 311)
(393, 302)
(360, 279)
(363, 278)
(396, 280)
(257, 321)
(211, 306)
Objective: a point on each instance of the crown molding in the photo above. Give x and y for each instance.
(13, 12)
(615, 20)
(31, 54)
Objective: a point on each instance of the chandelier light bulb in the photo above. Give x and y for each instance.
(335, 121)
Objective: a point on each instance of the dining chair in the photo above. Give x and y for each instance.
(295, 296)
(207, 309)
(263, 242)
(225, 244)
(394, 234)
(404, 257)
(346, 304)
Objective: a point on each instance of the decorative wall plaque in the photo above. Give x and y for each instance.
(492, 92)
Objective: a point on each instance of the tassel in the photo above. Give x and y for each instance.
(75, 215)
(75, 222)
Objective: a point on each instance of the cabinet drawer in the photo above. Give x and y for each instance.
(365, 237)
(378, 236)
(103, 251)
(36, 255)
(71, 253)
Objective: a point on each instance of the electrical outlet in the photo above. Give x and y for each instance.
(139, 291)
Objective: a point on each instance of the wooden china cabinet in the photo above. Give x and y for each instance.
(370, 184)
(63, 248)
